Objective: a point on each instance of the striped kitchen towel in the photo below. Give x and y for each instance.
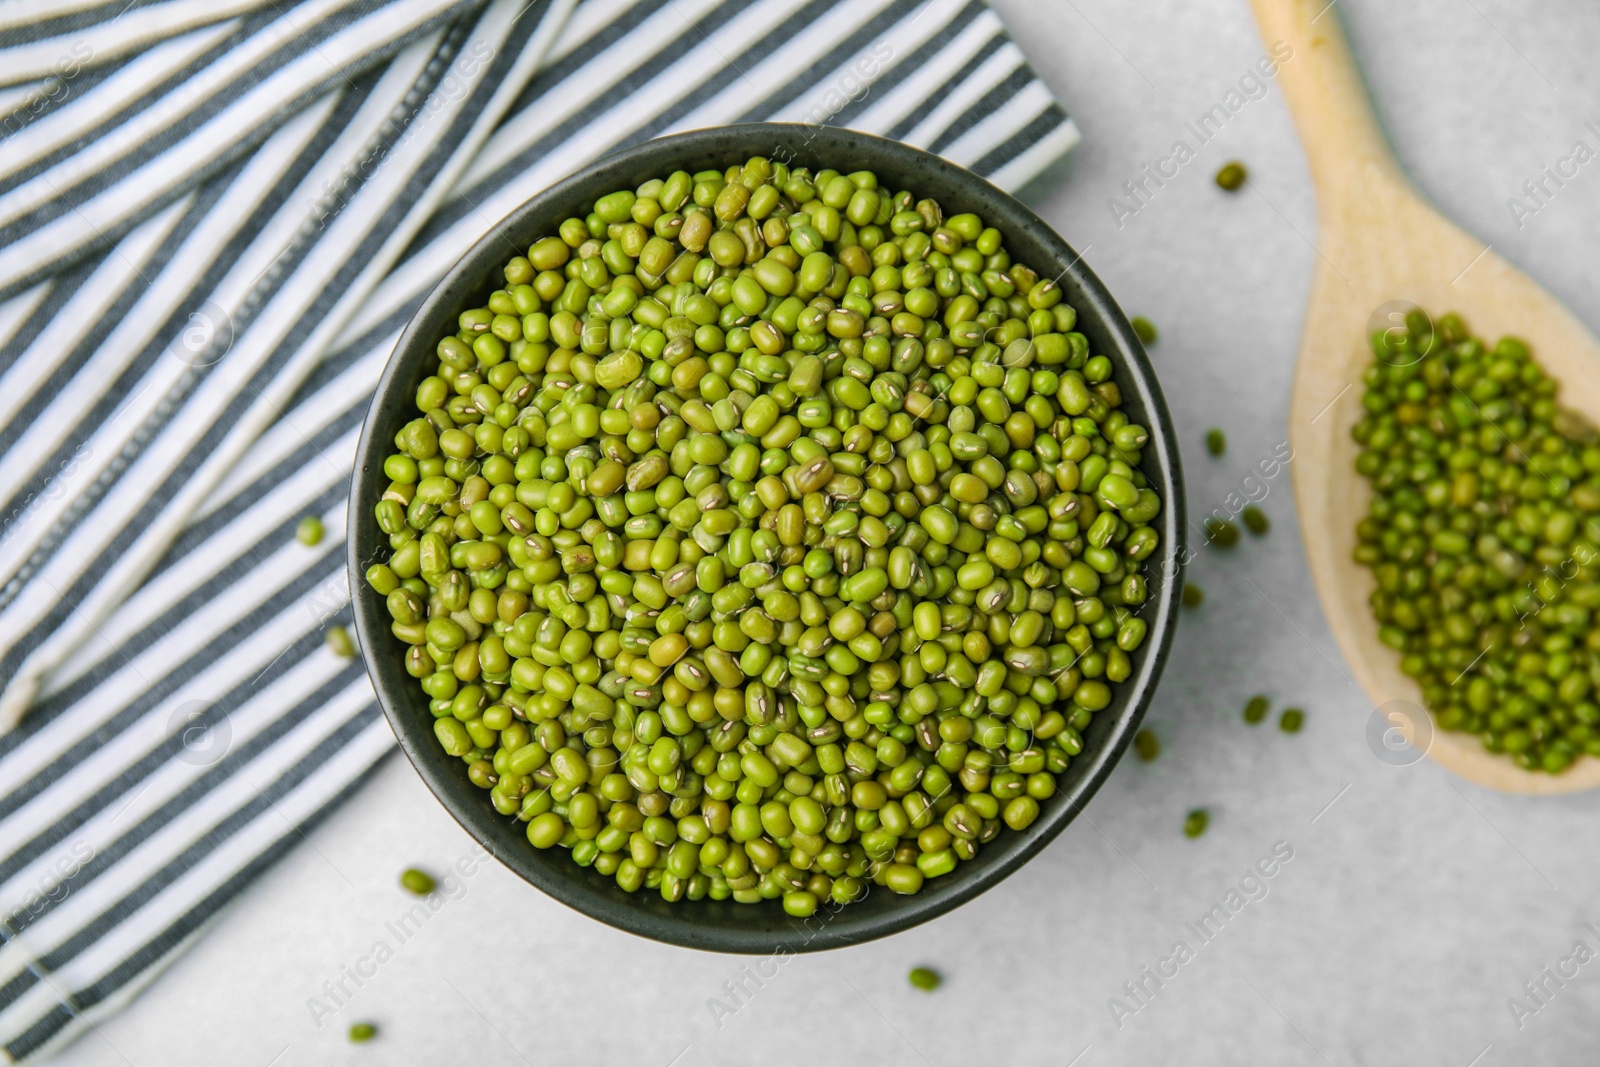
(215, 219)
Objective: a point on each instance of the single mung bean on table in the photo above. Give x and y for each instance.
(1231, 176)
(1255, 520)
(414, 881)
(1216, 441)
(309, 531)
(362, 1032)
(1221, 532)
(1291, 720)
(1195, 823)
(1255, 709)
(925, 979)
(769, 535)
(1193, 595)
(1483, 537)
(1144, 329)
(1147, 745)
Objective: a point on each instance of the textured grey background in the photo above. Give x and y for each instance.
(1413, 907)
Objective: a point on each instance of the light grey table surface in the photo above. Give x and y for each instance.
(1414, 905)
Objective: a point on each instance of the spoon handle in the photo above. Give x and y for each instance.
(1326, 95)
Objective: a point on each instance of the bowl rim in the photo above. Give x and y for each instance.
(644, 914)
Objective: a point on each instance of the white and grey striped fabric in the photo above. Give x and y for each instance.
(215, 219)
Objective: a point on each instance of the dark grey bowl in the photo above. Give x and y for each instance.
(724, 925)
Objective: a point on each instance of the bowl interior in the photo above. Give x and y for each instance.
(726, 925)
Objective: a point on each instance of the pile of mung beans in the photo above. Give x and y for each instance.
(769, 535)
(1484, 537)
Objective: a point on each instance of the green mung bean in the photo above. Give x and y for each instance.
(1231, 176)
(1483, 537)
(1291, 720)
(1255, 520)
(1195, 823)
(414, 881)
(1144, 329)
(925, 979)
(1147, 745)
(1193, 595)
(309, 531)
(1216, 441)
(783, 543)
(1221, 532)
(1255, 709)
(340, 642)
(361, 1032)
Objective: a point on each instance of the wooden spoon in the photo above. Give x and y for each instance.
(1378, 243)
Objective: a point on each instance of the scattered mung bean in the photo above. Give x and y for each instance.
(309, 531)
(414, 881)
(1221, 532)
(340, 642)
(1147, 745)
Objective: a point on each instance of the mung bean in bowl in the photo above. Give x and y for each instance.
(769, 536)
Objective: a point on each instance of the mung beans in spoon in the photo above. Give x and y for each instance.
(1483, 536)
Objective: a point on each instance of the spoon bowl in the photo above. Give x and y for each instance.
(1380, 245)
